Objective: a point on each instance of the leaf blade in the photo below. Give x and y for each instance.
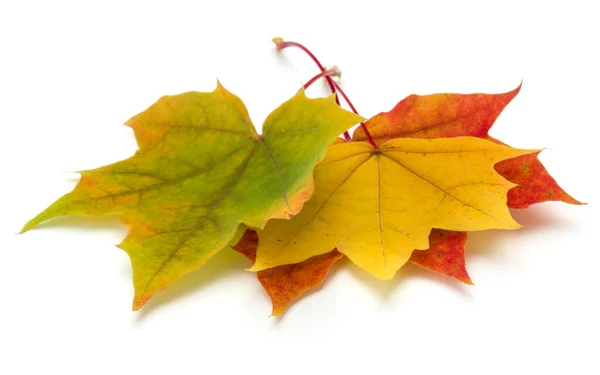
(392, 208)
(285, 284)
(458, 115)
(200, 171)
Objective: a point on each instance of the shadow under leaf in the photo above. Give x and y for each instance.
(484, 243)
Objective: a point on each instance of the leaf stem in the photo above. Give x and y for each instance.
(362, 124)
(281, 44)
(333, 86)
(333, 71)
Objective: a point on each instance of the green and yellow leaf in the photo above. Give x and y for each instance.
(202, 170)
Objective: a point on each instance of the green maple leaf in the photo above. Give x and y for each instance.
(202, 170)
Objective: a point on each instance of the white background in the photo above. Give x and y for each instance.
(72, 73)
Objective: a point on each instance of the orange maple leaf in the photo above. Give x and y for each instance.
(286, 283)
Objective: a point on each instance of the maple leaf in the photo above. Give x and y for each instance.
(200, 171)
(459, 115)
(452, 115)
(445, 255)
(378, 205)
(284, 284)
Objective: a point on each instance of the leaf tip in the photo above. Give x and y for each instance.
(29, 225)
(466, 279)
(518, 89)
(255, 268)
(301, 93)
(278, 310)
(25, 228)
(522, 151)
(139, 302)
(515, 225)
(220, 87)
(510, 95)
(120, 246)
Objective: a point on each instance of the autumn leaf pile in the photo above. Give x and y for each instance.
(407, 186)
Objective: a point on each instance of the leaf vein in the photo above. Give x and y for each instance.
(322, 205)
(440, 188)
(205, 217)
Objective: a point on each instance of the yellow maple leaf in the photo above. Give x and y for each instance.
(377, 206)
